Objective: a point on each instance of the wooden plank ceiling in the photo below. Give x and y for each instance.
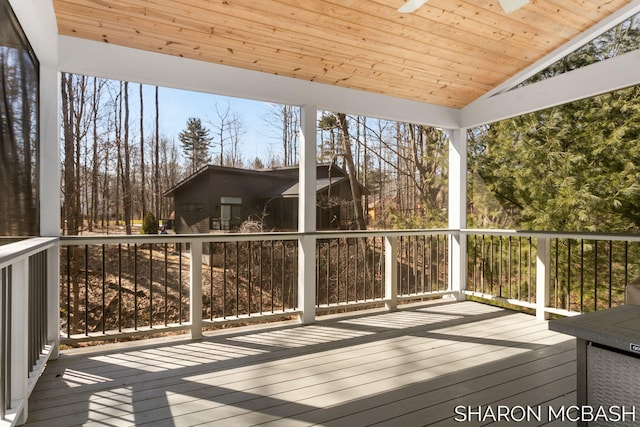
(448, 52)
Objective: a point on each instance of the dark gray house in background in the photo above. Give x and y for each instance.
(222, 198)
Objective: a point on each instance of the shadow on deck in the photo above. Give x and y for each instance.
(420, 365)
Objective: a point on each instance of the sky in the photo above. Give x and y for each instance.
(177, 106)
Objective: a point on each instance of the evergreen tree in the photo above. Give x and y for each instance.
(574, 167)
(195, 141)
(149, 224)
(570, 168)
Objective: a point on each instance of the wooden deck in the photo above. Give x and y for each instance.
(410, 367)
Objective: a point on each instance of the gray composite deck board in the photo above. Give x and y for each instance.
(408, 367)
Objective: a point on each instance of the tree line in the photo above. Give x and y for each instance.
(111, 172)
(574, 167)
(570, 168)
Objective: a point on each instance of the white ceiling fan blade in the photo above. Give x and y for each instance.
(512, 5)
(411, 6)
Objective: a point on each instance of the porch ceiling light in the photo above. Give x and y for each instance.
(411, 6)
(512, 5)
(507, 5)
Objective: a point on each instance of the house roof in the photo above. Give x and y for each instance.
(293, 190)
(448, 53)
(290, 189)
(229, 170)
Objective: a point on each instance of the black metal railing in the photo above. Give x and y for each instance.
(114, 285)
(591, 274)
(422, 264)
(37, 310)
(108, 287)
(111, 285)
(251, 277)
(502, 266)
(349, 270)
(582, 272)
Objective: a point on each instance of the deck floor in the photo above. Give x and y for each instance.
(413, 366)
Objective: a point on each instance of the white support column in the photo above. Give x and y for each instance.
(49, 152)
(20, 338)
(307, 215)
(457, 211)
(49, 197)
(195, 289)
(543, 268)
(391, 272)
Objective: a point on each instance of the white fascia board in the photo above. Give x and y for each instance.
(571, 46)
(120, 63)
(595, 79)
(38, 21)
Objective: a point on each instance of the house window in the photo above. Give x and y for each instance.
(192, 207)
(230, 212)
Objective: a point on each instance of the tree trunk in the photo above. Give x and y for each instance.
(118, 132)
(126, 175)
(143, 189)
(69, 226)
(348, 157)
(95, 164)
(156, 183)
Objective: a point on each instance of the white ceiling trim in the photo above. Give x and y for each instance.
(38, 21)
(601, 27)
(115, 62)
(602, 77)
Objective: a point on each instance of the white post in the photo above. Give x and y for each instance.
(543, 268)
(391, 272)
(307, 215)
(20, 338)
(49, 195)
(457, 211)
(53, 300)
(195, 289)
(49, 152)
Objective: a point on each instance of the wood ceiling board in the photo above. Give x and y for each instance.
(448, 53)
(484, 68)
(305, 71)
(169, 44)
(439, 84)
(388, 64)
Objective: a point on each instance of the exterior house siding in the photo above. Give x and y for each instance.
(221, 198)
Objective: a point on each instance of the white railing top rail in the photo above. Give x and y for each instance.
(239, 237)
(333, 234)
(24, 248)
(629, 237)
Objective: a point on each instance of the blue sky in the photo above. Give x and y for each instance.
(176, 106)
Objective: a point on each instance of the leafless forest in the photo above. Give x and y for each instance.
(116, 167)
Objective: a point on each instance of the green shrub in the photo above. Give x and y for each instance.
(149, 224)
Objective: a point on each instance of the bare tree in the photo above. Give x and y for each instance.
(234, 155)
(351, 171)
(143, 191)
(72, 101)
(126, 165)
(156, 165)
(171, 172)
(287, 120)
(227, 126)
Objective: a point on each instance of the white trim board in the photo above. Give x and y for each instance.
(116, 62)
(595, 79)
